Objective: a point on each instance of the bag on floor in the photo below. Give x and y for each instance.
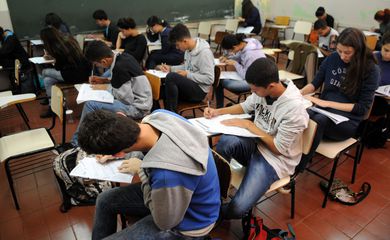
(254, 229)
(340, 192)
(75, 190)
(376, 136)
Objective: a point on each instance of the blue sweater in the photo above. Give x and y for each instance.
(331, 73)
(385, 69)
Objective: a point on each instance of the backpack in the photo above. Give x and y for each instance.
(76, 191)
(254, 229)
(376, 135)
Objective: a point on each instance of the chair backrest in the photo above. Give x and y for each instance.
(308, 138)
(282, 20)
(217, 74)
(219, 36)
(231, 25)
(311, 67)
(155, 84)
(224, 174)
(80, 40)
(57, 102)
(204, 28)
(270, 57)
(302, 27)
(371, 42)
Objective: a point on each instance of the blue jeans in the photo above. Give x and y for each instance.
(328, 129)
(51, 77)
(259, 174)
(127, 200)
(231, 85)
(116, 106)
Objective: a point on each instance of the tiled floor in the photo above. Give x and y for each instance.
(39, 217)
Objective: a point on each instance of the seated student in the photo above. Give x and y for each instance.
(192, 80)
(179, 197)
(250, 16)
(11, 49)
(349, 78)
(383, 18)
(110, 30)
(158, 29)
(280, 119)
(70, 64)
(321, 14)
(381, 107)
(327, 37)
(244, 51)
(129, 39)
(130, 87)
(53, 20)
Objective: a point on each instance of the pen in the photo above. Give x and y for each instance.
(208, 104)
(93, 68)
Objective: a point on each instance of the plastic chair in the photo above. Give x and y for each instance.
(190, 106)
(155, 84)
(335, 149)
(371, 42)
(282, 20)
(300, 27)
(31, 142)
(231, 25)
(238, 171)
(218, 40)
(204, 29)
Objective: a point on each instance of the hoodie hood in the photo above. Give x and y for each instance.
(252, 45)
(181, 146)
(201, 45)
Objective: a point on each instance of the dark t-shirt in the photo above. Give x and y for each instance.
(10, 50)
(329, 20)
(111, 33)
(135, 46)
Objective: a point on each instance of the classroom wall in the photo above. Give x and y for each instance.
(353, 13)
(5, 19)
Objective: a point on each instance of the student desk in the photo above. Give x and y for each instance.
(289, 75)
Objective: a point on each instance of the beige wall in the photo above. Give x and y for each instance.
(5, 19)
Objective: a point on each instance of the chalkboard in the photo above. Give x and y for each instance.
(28, 15)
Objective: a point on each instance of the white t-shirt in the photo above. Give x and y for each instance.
(325, 42)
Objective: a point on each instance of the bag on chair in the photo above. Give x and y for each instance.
(75, 190)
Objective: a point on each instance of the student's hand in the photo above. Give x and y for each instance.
(317, 101)
(241, 19)
(223, 59)
(182, 72)
(99, 87)
(95, 80)
(165, 68)
(210, 113)
(230, 62)
(238, 122)
(131, 166)
(104, 158)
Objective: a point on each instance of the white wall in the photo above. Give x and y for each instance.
(347, 13)
(5, 19)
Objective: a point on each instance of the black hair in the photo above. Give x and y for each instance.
(100, 15)
(320, 24)
(153, 20)
(108, 133)
(386, 38)
(320, 12)
(361, 62)
(246, 8)
(1, 33)
(231, 40)
(126, 23)
(97, 50)
(178, 33)
(64, 48)
(262, 72)
(54, 20)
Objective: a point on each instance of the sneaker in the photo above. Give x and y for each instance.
(48, 114)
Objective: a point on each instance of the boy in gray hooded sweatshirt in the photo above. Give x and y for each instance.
(192, 80)
(280, 119)
(179, 197)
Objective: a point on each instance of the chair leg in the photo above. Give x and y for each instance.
(23, 115)
(330, 182)
(292, 183)
(356, 160)
(11, 184)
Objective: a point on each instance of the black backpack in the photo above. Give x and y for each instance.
(376, 134)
